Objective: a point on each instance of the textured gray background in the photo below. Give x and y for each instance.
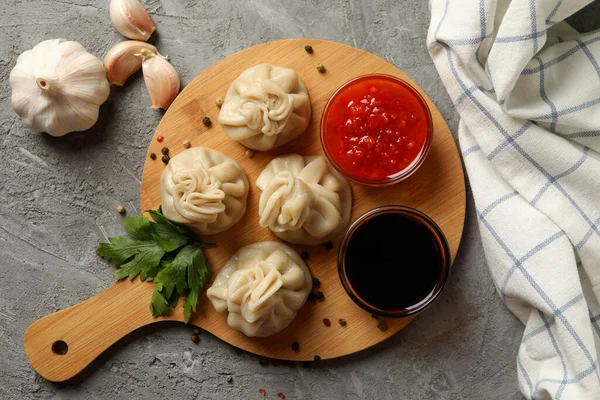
(58, 196)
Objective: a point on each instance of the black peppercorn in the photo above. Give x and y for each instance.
(166, 159)
(206, 121)
(194, 338)
(308, 49)
(342, 322)
(152, 156)
(165, 151)
(295, 346)
(312, 296)
(317, 358)
(320, 296)
(382, 326)
(316, 283)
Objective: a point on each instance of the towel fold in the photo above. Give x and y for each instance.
(527, 88)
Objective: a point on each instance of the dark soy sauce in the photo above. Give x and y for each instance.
(393, 262)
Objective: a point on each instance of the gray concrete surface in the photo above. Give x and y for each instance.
(58, 196)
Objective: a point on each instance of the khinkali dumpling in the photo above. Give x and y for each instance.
(303, 200)
(205, 189)
(261, 286)
(265, 107)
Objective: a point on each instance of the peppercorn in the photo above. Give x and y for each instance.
(342, 322)
(228, 379)
(160, 139)
(165, 159)
(312, 296)
(382, 326)
(186, 144)
(197, 331)
(120, 209)
(165, 151)
(249, 153)
(195, 338)
(308, 49)
(304, 255)
(320, 296)
(317, 358)
(281, 395)
(326, 247)
(263, 392)
(321, 68)
(152, 156)
(219, 102)
(326, 321)
(296, 346)
(316, 283)
(207, 122)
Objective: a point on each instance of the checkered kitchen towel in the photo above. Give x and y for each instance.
(527, 88)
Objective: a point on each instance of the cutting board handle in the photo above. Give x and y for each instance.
(61, 345)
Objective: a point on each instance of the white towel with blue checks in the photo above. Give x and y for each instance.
(527, 88)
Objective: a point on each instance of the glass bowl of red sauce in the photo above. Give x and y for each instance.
(376, 130)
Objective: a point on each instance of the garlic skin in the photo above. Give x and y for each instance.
(162, 81)
(121, 61)
(58, 87)
(131, 19)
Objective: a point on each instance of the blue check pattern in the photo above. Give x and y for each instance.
(527, 88)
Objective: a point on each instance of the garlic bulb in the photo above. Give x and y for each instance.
(58, 87)
(131, 19)
(162, 81)
(121, 61)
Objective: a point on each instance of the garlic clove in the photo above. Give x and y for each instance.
(131, 19)
(162, 81)
(121, 61)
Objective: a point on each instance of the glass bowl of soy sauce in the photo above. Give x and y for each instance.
(393, 261)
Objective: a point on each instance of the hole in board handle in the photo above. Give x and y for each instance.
(60, 347)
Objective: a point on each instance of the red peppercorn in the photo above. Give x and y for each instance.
(263, 392)
(160, 139)
(326, 321)
(281, 395)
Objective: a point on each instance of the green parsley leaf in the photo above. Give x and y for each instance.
(139, 227)
(158, 304)
(197, 278)
(166, 234)
(187, 271)
(136, 257)
(164, 252)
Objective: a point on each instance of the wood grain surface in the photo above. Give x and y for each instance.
(437, 189)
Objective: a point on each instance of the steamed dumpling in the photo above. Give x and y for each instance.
(303, 200)
(265, 107)
(261, 286)
(205, 189)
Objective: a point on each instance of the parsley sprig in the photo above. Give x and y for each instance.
(163, 252)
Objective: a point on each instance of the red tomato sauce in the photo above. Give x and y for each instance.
(375, 127)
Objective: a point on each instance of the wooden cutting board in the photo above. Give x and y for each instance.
(437, 189)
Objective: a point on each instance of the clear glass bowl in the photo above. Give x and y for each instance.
(421, 219)
(400, 175)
